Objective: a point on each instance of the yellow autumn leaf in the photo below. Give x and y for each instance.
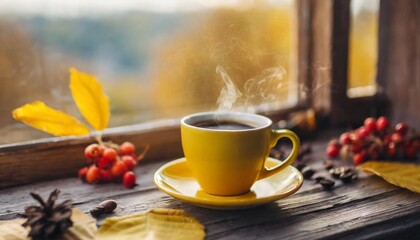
(156, 224)
(400, 174)
(93, 104)
(42, 117)
(13, 230)
(84, 227)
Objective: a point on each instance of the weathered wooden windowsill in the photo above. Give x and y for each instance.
(61, 157)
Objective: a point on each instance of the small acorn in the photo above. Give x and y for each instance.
(106, 206)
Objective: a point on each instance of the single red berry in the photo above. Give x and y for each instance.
(105, 163)
(334, 142)
(362, 133)
(359, 158)
(391, 149)
(127, 148)
(106, 175)
(356, 138)
(370, 124)
(382, 124)
(401, 128)
(129, 161)
(333, 151)
(345, 138)
(356, 147)
(93, 151)
(396, 138)
(93, 174)
(118, 169)
(129, 179)
(110, 154)
(82, 173)
(387, 139)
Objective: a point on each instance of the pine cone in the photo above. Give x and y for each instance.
(48, 220)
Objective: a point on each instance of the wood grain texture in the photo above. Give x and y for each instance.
(340, 111)
(369, 208)
(320, 57)
(314, 48)
(60, 157)
(304, 41)
(399, 59)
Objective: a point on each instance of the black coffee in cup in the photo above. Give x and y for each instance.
(223, 125)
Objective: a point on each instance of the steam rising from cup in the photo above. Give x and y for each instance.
(229, 93)
(256, 91)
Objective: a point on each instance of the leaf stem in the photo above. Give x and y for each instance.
(99, 139)
(141, 156)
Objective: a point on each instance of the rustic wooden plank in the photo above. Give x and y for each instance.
(399, 58)
(369, 208)
(60, 157)
(314, 52)
(304, 42)
(12, 199)
(320, 57)
(309, 213)
(339, 60)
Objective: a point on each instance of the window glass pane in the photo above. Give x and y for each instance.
(156, 59)
(363, 47)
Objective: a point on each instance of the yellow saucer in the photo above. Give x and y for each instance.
(175, 179)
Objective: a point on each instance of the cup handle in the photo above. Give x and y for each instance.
(275, 136)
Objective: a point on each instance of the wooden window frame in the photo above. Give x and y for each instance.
(327, 47)
(398, 60)
(345, 110)
(397, 78)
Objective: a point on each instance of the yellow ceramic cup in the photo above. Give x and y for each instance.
(227, 161)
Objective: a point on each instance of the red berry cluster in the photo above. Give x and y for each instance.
(376, 140)
(110, 163)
